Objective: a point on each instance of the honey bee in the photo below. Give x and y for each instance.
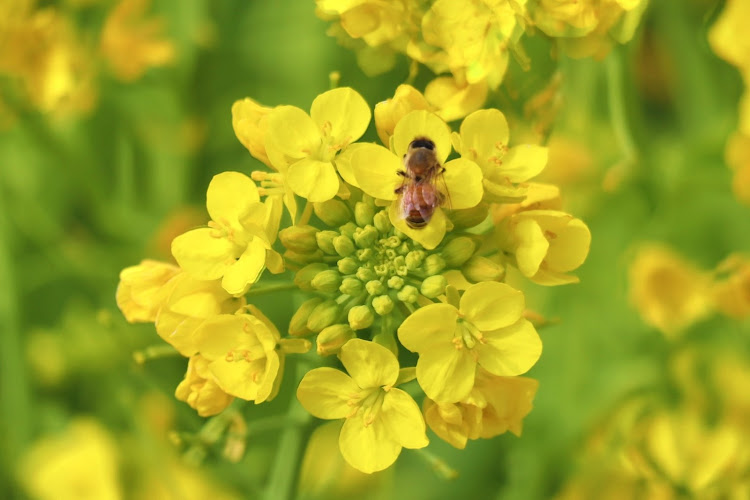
(419, 193)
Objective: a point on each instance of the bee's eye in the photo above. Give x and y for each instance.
(422, 143)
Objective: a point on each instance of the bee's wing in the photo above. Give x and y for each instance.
(406, 201)
(437, 181)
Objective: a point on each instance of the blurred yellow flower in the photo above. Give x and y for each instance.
(546, 245)
(729, 37)
(731, 295)
(142, 289)
(200, 391)
(78, 464)
(484, 139)
(486, 329)
(376, 171)
(738, 158)
(236, 245)
(494, 406)
(380, 419)
(132, 44)
(669, 292)
(304, 146)
(245, 353)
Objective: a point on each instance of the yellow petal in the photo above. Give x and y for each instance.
(484, 134)
(343, 162)
(376, 171)
(229, 196)
(463, 180)
(446, 374)
(223, 333)
(429, 236)
(422, 123)
(248, 121)
(521, 163)
(292, 132)
(313, 179)
(532, 246)
(369, 364)
(510, 351)
(427, 325)
(492, 305)
(367, 448)
(388, 113)
(342, 114)
(454, 101)
(401, 415)
(324, 392)
(246, 270)
(203, 255)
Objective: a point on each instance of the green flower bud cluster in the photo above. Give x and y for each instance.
(364, 271)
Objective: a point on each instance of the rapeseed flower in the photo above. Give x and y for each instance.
(200, 390)
(142, 289)
(380, 418)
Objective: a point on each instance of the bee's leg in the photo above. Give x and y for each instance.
(441, 197)
(402, 173)
(399, 190)
(442, 170)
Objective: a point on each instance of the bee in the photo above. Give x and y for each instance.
(419, 193)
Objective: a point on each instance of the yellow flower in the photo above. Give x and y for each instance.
(249, 121)
(200, 391)
(245, 353)
(495, 405)
(79, 464)
(732, 294)
(484, 140)
(453, 101)
(380, 419)
(142, 289)
(132, 44)
(236, 245)
(389, 112)
(304, 146)
(376, 171)
(546, 245)
(188, 302)
(738, 158)
(729, 38)
(486, 329)
(669, 292)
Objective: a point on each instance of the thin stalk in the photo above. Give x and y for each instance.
(270, 288)
(617, 114)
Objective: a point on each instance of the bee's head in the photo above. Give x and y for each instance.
(422, 142)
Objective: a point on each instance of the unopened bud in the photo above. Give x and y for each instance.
(325, 241)
(344, 245)
(303, 278)
(298, 323)
(300, 239)
(458, 251)
(295, 260)
(348, 265)
(375, 287)
(482, 269)
(414, 259)
(348, 229)
(434, 264)
(363, 213)
(434, 286)
(327, 281)
(395, 282)
(366, 237)
(351, 286)
(408, 294)
(323, 315)
(366, 274)
(332, 212)
(331, 338)
(469, 217)
(382, 304)
(381, 222)
(360, 317)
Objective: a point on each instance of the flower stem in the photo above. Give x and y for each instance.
(438, 464)
(286, 463)
(154, 352)
(270, 288)
(617, 113)
(304, 218)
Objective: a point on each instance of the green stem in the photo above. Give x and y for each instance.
(155, 352)
(286, 463)
(617, 113)
(270, 288)
(438, 464)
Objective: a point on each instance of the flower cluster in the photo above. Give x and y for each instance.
(377, 285)
(469, 43)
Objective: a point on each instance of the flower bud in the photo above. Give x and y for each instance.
(434, 286)
(348, 229)
(375, 287)
(395, 282)
(434, 264)
(408, 294)
(363, 213)
(300, 239)
(200, 391)
(331, 338)
(348, 265)
(323, 315)
(469, 217)
(303, 278)
(327, 281)
(343, 245)
(482, 269)
(458, 251)
(298, 323)
(382, 304)
(366, 274)
(366, 237)
(294, 260)
(360, 317)
(332, 212)
(351, 286)
(381, 222)
(325, 241)
(414, 259)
